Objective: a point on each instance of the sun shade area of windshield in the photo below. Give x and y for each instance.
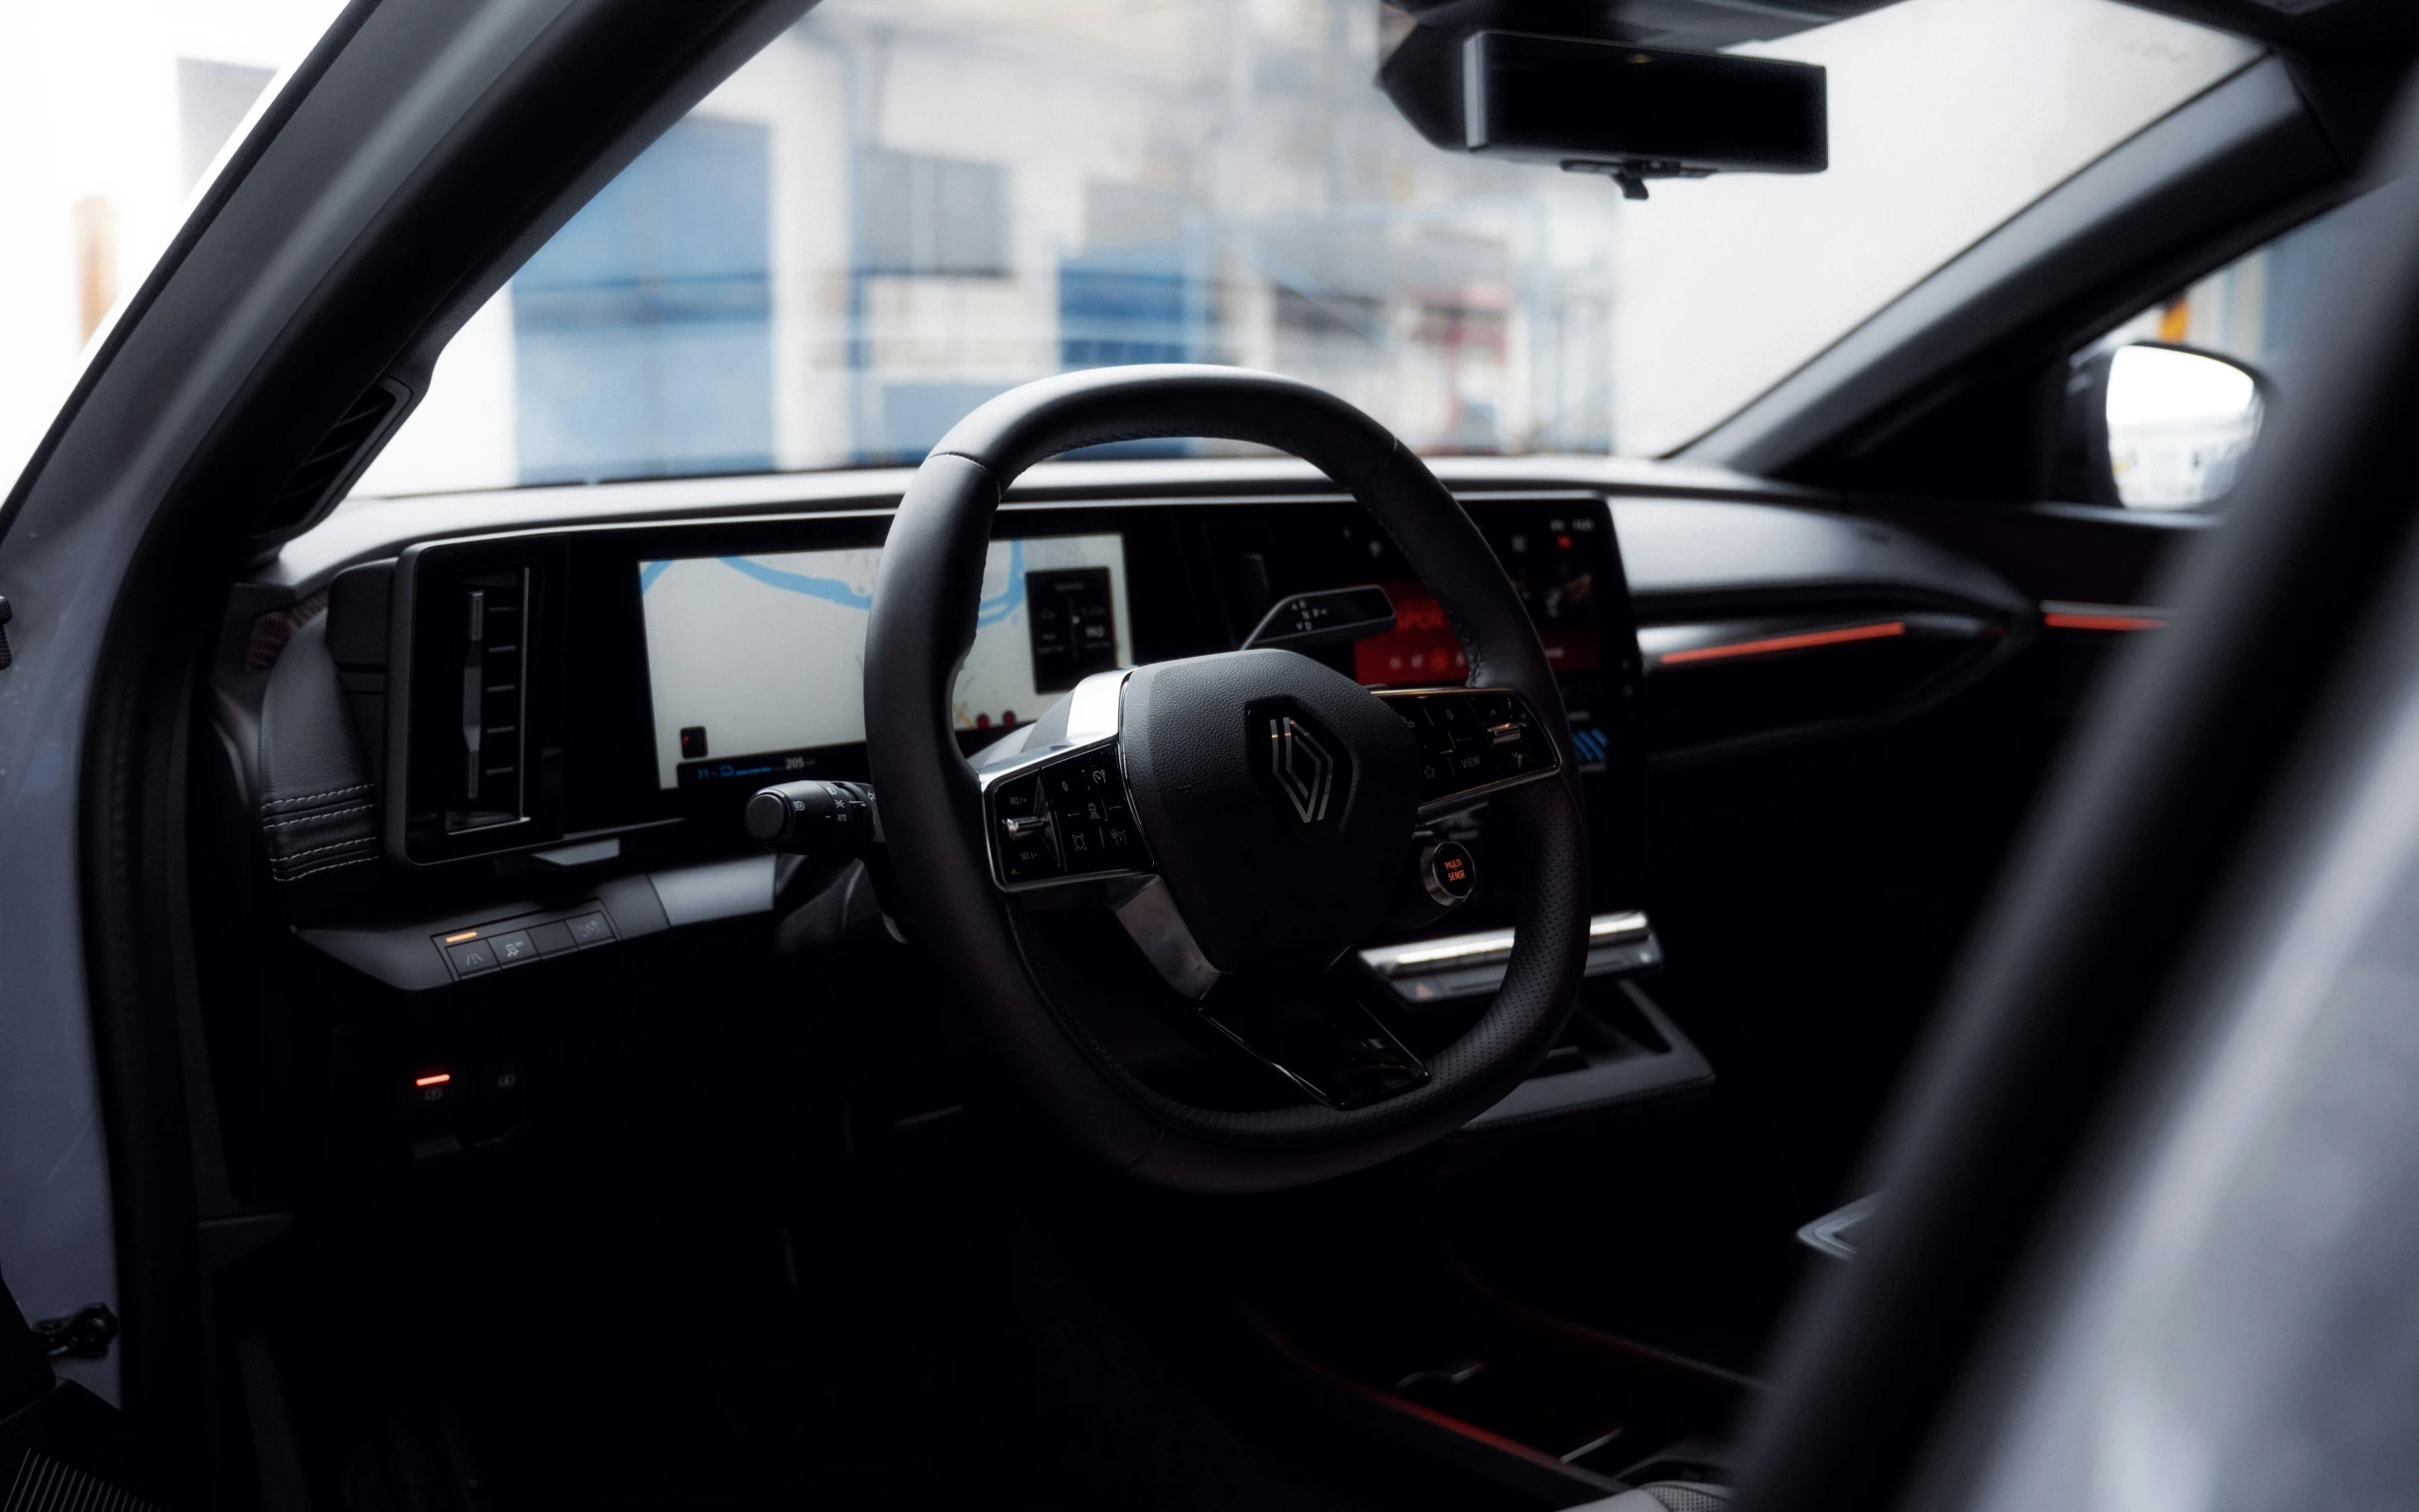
(897, 211)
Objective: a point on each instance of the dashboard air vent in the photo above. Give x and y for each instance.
(333, 464)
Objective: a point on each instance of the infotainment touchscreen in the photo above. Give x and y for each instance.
(756, 661)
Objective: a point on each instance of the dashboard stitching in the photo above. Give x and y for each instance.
(314, 818)
(300, 799)
(312, 871)
(321, 851)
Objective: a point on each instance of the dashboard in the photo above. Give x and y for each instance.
(541, 712)
(580, 684)
(495, 749)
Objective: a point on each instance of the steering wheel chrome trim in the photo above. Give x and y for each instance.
(1148, 911)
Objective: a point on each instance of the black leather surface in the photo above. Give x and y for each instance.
(923, 622)
(1258, 888)
(318, 802)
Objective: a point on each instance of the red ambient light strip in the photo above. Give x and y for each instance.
(2067, 620)
(1777, 643)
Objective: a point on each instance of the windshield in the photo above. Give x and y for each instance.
(113, 115)
(901, 208)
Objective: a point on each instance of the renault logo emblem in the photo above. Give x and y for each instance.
(1304, 769)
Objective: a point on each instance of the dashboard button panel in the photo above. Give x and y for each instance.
(475, 950)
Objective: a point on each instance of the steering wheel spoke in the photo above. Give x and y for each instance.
(1318, 1035)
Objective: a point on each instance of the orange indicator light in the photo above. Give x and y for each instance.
(457, 939)
(433, 1078)
(2103, 621)
(1775, 643)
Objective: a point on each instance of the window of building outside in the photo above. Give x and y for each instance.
(112, 113)
(901, 207)
(641, 332)
(955, 197)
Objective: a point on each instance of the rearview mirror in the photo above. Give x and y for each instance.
(1630, 113)
(2163, 427)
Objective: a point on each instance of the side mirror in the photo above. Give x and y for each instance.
(2157, 427)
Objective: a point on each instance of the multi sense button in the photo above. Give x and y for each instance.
(514, 948)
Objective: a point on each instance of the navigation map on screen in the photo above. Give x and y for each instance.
(754, 661)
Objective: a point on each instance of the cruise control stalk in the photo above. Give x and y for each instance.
(839, 827)
(813, 817)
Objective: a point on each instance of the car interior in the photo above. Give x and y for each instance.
(1292, 976)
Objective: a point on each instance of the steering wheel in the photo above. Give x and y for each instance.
(1248, 817)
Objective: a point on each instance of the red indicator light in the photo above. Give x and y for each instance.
(433, 1078)
(2103, 621)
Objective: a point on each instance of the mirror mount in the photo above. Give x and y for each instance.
(1632, 174)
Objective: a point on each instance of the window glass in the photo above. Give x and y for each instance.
(2256, 308)
(2179, 426)
(901, 207)
(641, 332)
(111, 113)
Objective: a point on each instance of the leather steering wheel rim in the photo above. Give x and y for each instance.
(921, 626)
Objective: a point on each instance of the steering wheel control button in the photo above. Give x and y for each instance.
(1084, 797)
(1449, 872)
(1021, 840)
(472, 957)
(1062, 817)
(1471, 742)
(1031, 859)
(591, 929)
(1017, 800)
